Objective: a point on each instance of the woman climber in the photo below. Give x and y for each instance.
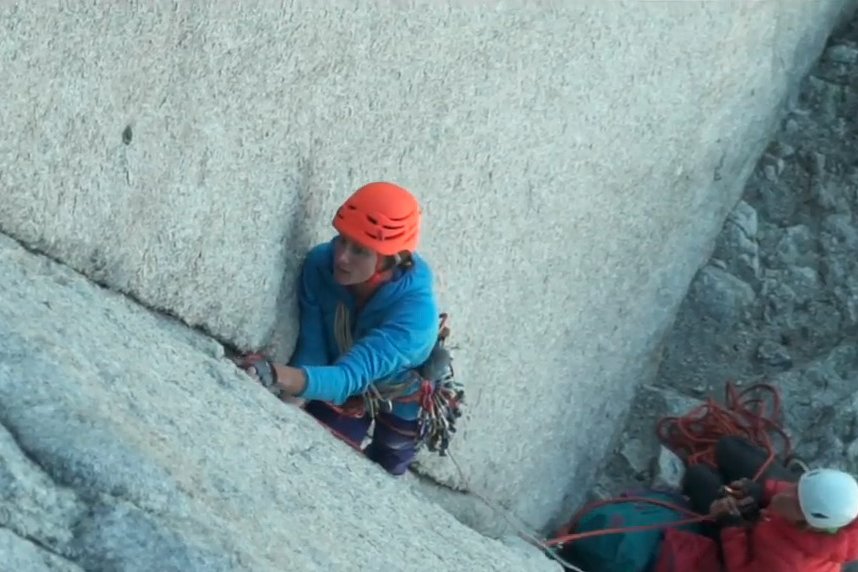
(775, 524)
(368, 320)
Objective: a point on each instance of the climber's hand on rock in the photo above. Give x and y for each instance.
(296, 401)
(284, 380)
(258, 368)
(246, 361)
(251, 371)
(291, 380)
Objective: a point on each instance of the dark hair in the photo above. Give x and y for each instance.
(403, 260)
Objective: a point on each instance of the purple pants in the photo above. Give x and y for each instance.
(394, 440)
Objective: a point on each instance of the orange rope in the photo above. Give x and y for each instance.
(693, 437)
(565, 536)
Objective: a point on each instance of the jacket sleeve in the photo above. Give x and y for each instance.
(311, 347)
(736, 545)
(403, 341)
(850, 543)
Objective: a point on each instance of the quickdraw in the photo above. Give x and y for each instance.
(441, 396)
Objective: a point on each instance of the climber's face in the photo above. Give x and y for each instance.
(786, 505)
(353, 263)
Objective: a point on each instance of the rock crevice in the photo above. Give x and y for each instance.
(128, 442)
(778, 300)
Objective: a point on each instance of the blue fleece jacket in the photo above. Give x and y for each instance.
(393, 333)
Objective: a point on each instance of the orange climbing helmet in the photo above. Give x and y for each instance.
(381, 216)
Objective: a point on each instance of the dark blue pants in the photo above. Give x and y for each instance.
(394, 440)
(737, 459)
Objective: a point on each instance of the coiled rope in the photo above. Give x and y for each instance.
(693, 437)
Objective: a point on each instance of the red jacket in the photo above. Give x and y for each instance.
(775, 545)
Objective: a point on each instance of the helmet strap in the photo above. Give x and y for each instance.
(371, 284)
(383, 273)
(379, 278)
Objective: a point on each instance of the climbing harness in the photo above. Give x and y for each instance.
(433, 386)
(693, 438)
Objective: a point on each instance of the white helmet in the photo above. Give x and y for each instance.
(828, 498)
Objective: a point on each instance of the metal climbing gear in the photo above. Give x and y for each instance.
(433, 386)
(441, 396)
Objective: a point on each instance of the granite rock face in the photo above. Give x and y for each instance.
(777, 301)
(127, 442)
(190, 154)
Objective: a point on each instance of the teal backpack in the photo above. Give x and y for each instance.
(634, 551)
